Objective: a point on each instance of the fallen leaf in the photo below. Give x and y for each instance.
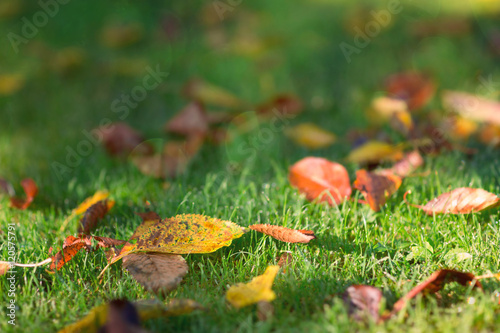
(403, 168)
(191, 120)
(376, 188)
(442, 26)
(157, 272)
(30, 189)
(393, 110)
(320, 179)
(4, 267)
(374, 152)
(472, 107)
(433, 284)
(490, 135)
(122, 318)
(459, 128)
(284, 260)
(284, 234)
(93, 214)
(149, 216)
(414, 88)
(207, 93)
(265, 310)
(98, 196)
(121, 139)
(257, 290)
(463, 200)
(311, 136)
(281, 105)
(363, 301)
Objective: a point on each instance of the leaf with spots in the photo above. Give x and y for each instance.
(157, 272)
(257, 290)
(284, 234)
(463, 200)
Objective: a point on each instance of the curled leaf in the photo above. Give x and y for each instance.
(362, 301)
(257, 290)
(311, 136)
(157, 272)
(30, 189)
(376, 187)
(463, 200)
(284, 234)
(320, 179)
(93, 214)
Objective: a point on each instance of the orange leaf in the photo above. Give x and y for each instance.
(376, 188)
(121, 139)
(433, 284)
(363, 300)
(414, 88)
(192, 120)
(321, 179)
(463, 200)
(284, 234)
(30, 189)
(93, 214)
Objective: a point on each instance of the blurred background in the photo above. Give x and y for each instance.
(67, 65)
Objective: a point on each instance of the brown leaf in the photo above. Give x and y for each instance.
(191, 120)
(282, 105)
(413, 87)
(321, 179)
(122, 318)
(93, 214)
(157, 272)
(472, 107)
(149, 216)
(406, 166)
(30, 189)
(433, 284)
(376, 188)
(285, 259)
(284, 234)
(121, 139)
(363, 300)
(106, 242)
(463, 200)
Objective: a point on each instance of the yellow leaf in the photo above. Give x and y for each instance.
(311, 136)
(259, 289)
(11, 83)
(90, 323)
(98, 196)
(375, 151)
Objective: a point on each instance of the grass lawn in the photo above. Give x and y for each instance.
(258, 49)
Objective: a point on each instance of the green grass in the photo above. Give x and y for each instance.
(354, 245)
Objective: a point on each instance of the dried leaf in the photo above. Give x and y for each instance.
(376, 188)
(311, 136)
(157, 272)
(281, 105)
(122, 318)
(393, 110)
(98, 196)
(4, 267)
(363, 301)
(191, 120)
(149, 216)
(284, 260)
(30, 189)
(257, 290)
(403, 168)
(433, 284)
(121, 139)
(472, 107)
(414, 88)
(93, 214)
(284, 234)
(207, 93)
(320, 179)
(463, 200)
(374, 152)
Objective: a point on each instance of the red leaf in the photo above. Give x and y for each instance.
(463, 200)
(321, 179)
(30, 189)
(284, 234)
(376, 188)
(414, 88)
